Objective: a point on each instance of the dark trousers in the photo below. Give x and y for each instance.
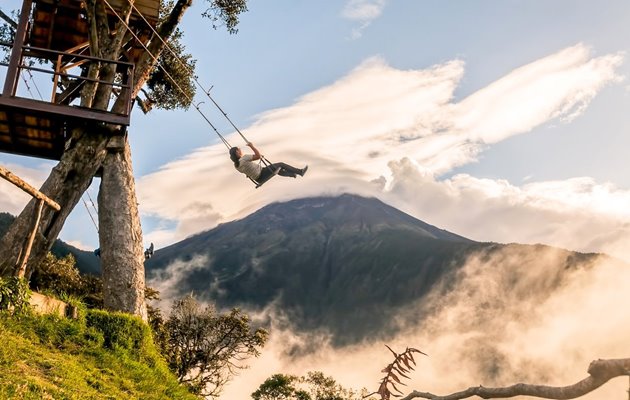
(285, 170)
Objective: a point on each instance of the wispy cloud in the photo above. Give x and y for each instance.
(355, 132)
(363, 12)
(167, 281)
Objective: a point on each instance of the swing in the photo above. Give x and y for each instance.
(258, 183)
(273, 172)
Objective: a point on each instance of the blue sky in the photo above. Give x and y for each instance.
(510, 113)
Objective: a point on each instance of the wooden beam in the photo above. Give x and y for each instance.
(31, 238)
(17, 181)
(11, 78)
(63, 111)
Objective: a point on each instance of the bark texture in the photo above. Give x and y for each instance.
(600, 372)
(120, 235)
(65, 185)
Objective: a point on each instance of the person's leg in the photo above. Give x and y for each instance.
(288, 170)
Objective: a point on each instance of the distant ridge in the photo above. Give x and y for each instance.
(87, 262)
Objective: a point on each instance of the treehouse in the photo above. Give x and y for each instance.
(50, 50)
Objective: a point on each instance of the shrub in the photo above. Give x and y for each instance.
(206, 349)
(60, 276)
(121, 331)
(14, 294)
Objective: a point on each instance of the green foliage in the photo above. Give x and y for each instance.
(60, 277)
(279, 387)
(14, 294)
(314, 386)
(225, 12)
(7, 32)
(205, 348)
(47, 357)
(174, 88)
(121, 331)
(171, 84)
(156, 320)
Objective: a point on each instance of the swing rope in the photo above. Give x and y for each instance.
(32, 79)
(90, 213)
(225, 142)
(206, 92)
(194, 78)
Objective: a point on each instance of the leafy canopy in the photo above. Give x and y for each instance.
(313, 386)
(178, 92)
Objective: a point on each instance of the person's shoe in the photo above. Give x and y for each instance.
(303, 170)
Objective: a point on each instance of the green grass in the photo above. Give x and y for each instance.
(46, 357)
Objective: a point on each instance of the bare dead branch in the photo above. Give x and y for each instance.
(600, 371)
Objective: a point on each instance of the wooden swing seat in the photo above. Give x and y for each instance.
(261, 182)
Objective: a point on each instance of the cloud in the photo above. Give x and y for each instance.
(354, 133)
(364, 12)
(14, 199)
(558, 86)
(579, 213)
(514, 316)
(80, 245)
(168, 280)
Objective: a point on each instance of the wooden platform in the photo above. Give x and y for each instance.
(40, 129)
(61, 24)
(59, 33)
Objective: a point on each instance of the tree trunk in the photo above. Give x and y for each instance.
(65, 185)
(120, 235)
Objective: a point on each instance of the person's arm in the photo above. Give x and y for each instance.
(257, 155)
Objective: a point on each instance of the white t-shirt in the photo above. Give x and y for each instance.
(248, 167)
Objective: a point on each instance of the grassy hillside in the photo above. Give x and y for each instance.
(100, 356)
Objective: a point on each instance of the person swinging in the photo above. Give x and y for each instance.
(244, 163)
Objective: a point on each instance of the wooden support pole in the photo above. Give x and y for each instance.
(11, 79)
(17, 181)
(29, 245)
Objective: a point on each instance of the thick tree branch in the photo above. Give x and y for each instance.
(601, 371)
(9, 20)
(146, 63)
(87, 93)
(121, 30)
(148, 60)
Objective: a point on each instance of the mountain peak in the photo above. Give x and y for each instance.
(348, 211)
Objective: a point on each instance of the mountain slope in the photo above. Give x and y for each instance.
(344, 264)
